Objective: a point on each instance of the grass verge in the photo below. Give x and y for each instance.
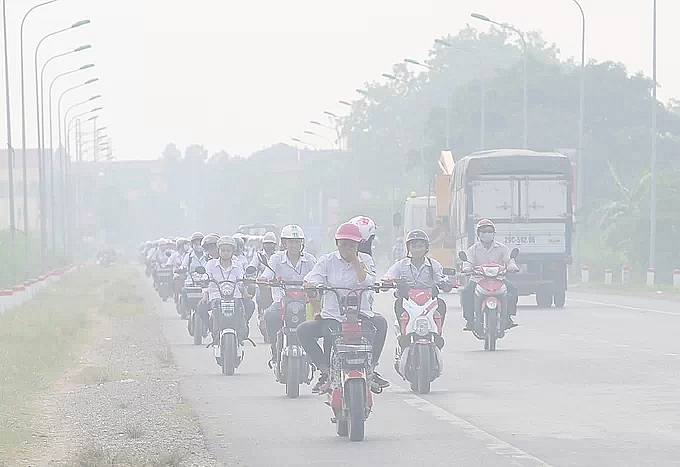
(43, 339)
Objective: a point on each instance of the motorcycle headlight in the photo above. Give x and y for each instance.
(492, 303)
(421, 326)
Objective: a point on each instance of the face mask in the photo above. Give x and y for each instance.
(487, 237)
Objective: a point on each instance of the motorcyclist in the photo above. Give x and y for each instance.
(418, 270)
(487, 251)
(224, 268)
(209, 244)
(160, 257)
(239, 257)
(345, 267)
(196, 257)
(367, 228)
(177, 256)
(240, 250)
(291, 264)
(268, 249)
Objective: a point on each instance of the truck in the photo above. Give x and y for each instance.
(527, 195)
(431, 213)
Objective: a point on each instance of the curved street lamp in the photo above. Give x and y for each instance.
(524, 44)
(41, 167)
(23, 118)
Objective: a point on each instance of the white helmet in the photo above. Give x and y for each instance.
(292, 231)
(269, 237)
(366, 226)
(226, 240)
(210, 239)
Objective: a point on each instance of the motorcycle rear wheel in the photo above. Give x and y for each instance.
(197, 329)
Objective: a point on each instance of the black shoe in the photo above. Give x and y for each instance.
(378, 383)
(469, 326)
(511, 324)
(321, 386)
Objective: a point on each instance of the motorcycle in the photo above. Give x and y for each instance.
(350, 395)
(491, 304)
(164, 282)
(227, 317)
(290, 364)
(193, 292)
(418, 357)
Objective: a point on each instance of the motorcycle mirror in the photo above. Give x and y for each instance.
(449, 272)
(251, 270)
(200, 270)
(168, 253)
(514, 253)
(463, 256)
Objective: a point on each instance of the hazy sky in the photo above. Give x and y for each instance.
(241, 76)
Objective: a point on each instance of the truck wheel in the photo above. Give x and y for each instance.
(559, 298)
(544, 299)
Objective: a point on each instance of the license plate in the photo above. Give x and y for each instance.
(520, 240)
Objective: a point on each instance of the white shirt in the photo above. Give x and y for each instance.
(429, 274)
(175, 260)
(218, 274)
(243, 260)
(195, 260)
(333, 271)
(286, 271)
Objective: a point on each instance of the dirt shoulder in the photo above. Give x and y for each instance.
(113, 399)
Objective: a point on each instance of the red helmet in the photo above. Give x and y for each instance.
(348, 231)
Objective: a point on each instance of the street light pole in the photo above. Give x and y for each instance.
(42, 132)
(580, 169)
(23, 117)
(41, 162)
(652, 226)
(10, 151)
(307, 132)
(450, 96)
(524, 45)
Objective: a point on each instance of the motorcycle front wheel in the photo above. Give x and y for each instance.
(228, 354)
(356, 403)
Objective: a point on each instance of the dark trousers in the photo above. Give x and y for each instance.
(273, 321)
(310, 331)
(468, 299)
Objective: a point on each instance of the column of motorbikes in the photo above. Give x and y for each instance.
(418, 358)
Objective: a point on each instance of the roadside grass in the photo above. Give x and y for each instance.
(99, 457)
(43, 339)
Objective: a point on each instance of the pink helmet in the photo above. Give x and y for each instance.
(348, 231)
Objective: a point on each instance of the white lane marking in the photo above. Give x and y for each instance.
(494, 444)
(626, 307)
(672, 355)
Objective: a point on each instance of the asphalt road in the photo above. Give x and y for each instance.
(594, 384)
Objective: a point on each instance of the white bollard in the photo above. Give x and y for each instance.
(5, 300)
(584, 275)
(676, 278)
(625, 274)
(650, 276)
(608, 276)
(19, 292)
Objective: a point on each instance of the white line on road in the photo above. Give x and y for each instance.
(494, 444)
(626, 307)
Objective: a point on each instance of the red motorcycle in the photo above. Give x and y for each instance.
(491, 304)
(350, 395)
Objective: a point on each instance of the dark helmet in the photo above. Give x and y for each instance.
(417, 234)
